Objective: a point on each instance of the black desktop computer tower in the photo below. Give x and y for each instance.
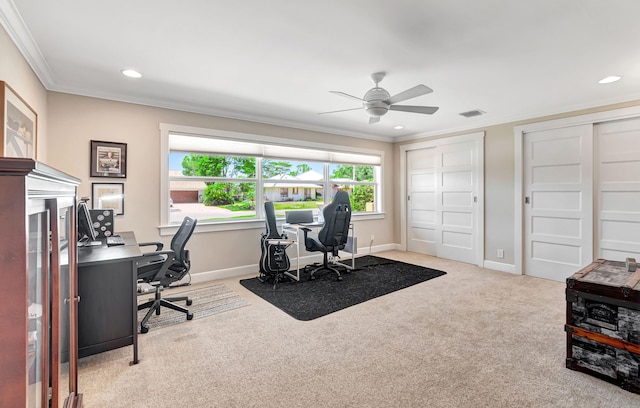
(102, 222)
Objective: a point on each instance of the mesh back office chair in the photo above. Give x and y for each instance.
(163, 268)
(333, 234)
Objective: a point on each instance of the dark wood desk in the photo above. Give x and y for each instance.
(107, 286)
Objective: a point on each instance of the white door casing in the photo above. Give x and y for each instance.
(558, 207)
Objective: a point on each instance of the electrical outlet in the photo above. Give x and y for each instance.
(500, 253)
(371, 237)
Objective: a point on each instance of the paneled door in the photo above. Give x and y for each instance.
(617, 159)
(422, 215)
(558, 186)
(442, 201)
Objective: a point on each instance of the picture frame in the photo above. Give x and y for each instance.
(19, 125)
(108, 159)
(108, 196)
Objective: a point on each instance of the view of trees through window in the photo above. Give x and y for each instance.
(225, 187)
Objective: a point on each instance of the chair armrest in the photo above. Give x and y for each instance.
(305, 230)
(156, 253)
(159, 245)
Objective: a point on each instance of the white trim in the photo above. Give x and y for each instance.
(518, 182)
(250, 137)
(499, 266)
(477, 137)
(167, 230)
(17, 30)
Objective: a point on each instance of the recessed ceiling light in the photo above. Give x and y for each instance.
(398, 127)
(131, 73)
(610, 79)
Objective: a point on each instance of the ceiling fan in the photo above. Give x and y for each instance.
(377, 101)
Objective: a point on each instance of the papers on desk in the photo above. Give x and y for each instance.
(89, 243)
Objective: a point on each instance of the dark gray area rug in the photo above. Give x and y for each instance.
(373, 277)
(206, 302)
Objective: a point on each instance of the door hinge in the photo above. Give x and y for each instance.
(408, 198)
(475, 199)
(527, 200)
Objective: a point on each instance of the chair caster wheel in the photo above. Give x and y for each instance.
(189, 316)
(144, 329)
(189, 302)
(312, 278)
(339, 278)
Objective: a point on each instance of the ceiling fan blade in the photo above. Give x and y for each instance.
(417, 90)
(374, 119)
(415, 109)
(341, 110)
(347, 96)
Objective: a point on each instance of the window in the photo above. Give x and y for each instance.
(359, 181)
(224, 177)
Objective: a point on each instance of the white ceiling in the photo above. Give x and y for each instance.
(276, 61)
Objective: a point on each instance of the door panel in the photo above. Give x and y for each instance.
(422, 206)
(558, 205)
(618, 189)
(459, 172)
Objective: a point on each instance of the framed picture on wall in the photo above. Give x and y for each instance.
(19, 125)
(108, 196)
(108, 159)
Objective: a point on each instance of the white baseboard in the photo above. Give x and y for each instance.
(499, 266)
(238, 271)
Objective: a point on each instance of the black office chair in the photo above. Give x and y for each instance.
(160, 268)
(333, 234)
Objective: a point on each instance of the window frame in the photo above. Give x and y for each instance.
(167, 228)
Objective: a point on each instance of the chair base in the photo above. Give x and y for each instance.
(324, 266)
(277, 277)
(313, 271)
(158, 302)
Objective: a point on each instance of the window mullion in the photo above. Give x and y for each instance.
(259, 196)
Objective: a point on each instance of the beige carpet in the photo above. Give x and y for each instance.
(206, 301)
(472, 338)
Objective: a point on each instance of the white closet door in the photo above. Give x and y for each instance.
(442, 208)
(558, 210)
(456, 202)
(618, 189)
(422, 217)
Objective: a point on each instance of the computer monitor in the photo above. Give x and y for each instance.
(86, 232)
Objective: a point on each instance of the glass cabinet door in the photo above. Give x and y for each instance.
(38, 305)
(63, 300)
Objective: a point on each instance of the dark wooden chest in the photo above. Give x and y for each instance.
(603, 323)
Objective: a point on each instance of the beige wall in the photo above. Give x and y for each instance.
(15, 71)
(75, 120)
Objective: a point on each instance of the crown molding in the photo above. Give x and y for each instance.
(17, 30)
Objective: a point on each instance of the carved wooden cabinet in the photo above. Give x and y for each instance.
(38, 286)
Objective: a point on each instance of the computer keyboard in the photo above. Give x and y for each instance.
(115, 240)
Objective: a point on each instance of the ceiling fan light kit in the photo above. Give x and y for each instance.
(377, 101)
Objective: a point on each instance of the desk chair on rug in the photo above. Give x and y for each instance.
(333, 235)
(160, 268)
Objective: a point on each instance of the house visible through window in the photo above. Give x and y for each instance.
(218, 179)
